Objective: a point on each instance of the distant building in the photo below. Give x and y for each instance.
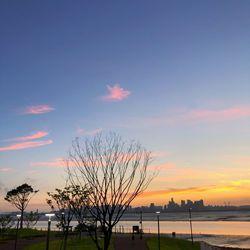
(185, 205)
(172, 205)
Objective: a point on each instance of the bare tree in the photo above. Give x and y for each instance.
(20, 198)
(115, 171)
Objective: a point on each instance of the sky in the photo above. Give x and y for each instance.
(174, 75)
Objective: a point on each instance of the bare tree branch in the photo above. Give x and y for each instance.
(115, 171)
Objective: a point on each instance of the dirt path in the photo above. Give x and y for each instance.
(126, 243)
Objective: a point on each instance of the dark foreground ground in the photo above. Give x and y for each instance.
(121, 242)
(21, 244)
(126, 243)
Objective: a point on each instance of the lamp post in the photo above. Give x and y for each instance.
(48, 233)
(158, 223)
(141, 224)
(17, 227)
(191, 228)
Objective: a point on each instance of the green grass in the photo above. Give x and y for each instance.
(22, 233)
(83, 244)
(172, 244)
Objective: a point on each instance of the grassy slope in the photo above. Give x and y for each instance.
(172, 244)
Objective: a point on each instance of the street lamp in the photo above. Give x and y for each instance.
(141, 224)
(63, 220)
(158, 223)
(17, 227)
(48, 233)
(191, 228)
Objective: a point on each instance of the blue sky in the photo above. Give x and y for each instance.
(172, 74)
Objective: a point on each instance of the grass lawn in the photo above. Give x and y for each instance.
(171, 244)
(22, 233)
(26, 233)
(83, 244)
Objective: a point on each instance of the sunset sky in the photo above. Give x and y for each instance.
(174, 75)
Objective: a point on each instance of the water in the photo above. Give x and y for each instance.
(181, 227)
(218, 228)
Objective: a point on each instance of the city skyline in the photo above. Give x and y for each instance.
(172, 75)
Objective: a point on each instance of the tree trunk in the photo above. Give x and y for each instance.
(95, 239)
(107, 238)
(21, 219)
(66, 233)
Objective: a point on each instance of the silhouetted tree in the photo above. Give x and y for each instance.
(79, 202)
(6, 222)
(66, 203)
(30, 219)
(20, 198)
(115, 171)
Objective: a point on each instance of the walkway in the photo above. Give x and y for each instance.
(126, 243)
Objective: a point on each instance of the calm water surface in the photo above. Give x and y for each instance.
(217, 228)
(181, 227)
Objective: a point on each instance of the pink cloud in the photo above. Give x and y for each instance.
(192, 116)
(82, 131)
(59, 162)
(5, 169)
(240, 160)
(37, 135)
(218, 115)
(24, 145)
(116, 93)
(38, 109)
(159, 154)
(163, 167)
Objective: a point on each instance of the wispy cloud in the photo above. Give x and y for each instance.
(34, 136)
(166, 192)
(5, 169)
(57, 163)
(209, 115)
(38, 109)
(189, 190)
(191, 116)
(25, 145)
(82, 131)
(116, 93)
(239, 160)
(163, 167)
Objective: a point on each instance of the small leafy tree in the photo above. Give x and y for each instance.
(68, 202)
(31, 218)
(60, 203)
(79, 205)
(20, 198)
(6, 222)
